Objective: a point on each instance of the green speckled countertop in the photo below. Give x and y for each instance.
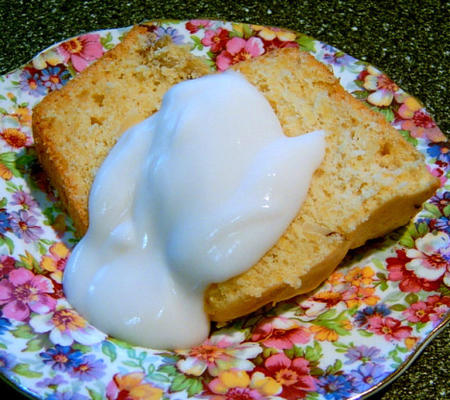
(408, 40)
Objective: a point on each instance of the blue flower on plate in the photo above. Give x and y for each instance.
(169, 31)
(441, 200)
(364, 354)
(439, 150)
(443, 224)
(62, 358)
(367, 312)
(4, 222)
(7, 361)
(4, 325)
(335, 387)
(367, 375)
(31, 83)
(55, 381)
(89, 368)
(338, 58)
(67, 396)
(329, 48)
(54, 77)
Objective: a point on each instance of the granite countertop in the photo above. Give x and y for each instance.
(408, 40)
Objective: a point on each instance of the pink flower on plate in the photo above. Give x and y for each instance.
(418, 122)
(25, 226)
(438, 307)
(311, 309)
(216, 40)
(438, 314)
(275, 38)
(417, 312)
(280, 333)
(23, 291)
(430, 259)
(390, 328)
(66, 326)
(238, 49)
(293, 375)
(220, 352)
(382, 88)
(81, 50)
(436, 300)
(439, 172)
(25, 200)
(194, 25)
(7, 264)
(409, 280)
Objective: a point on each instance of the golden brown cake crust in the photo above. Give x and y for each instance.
(370, 182)
(75, 127)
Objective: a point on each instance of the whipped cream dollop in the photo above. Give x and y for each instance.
(193, 195)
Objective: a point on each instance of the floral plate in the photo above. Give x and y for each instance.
(347, 339)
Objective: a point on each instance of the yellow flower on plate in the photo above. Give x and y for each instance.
(50, 57)
(335, 278)
(56, 261)
(268, 33)
(15, 138)
(329, 297)
(132, 387)
(323, 333)
(326, 333)
(360, 276)
(409, 107)
(67, 319)
(357, 295)
(65, 326)
(230, 380)
(218, 353)
(5, 172)
(382, 88)
(265, 385)
(417, 121)
(410, 342)
(22, 115)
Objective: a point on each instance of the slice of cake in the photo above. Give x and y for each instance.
(370, 182)
(74, 128)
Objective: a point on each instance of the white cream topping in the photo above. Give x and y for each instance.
(195, 194)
